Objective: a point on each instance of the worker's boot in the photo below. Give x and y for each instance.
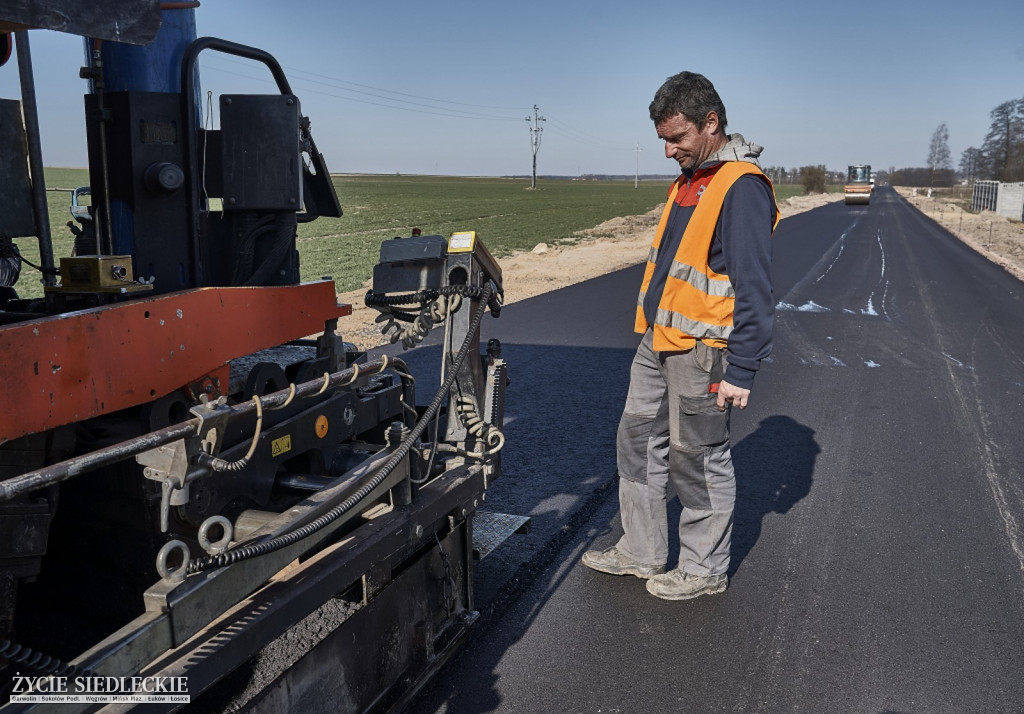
(679, 585)
(615, 562)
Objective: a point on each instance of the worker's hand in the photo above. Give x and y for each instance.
(731, 394)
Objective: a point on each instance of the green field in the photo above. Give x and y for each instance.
(505, 213)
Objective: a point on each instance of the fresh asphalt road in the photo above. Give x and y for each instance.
(878, 552)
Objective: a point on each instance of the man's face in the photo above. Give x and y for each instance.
(687, 144)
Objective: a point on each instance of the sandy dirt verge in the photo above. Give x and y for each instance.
(623, 242)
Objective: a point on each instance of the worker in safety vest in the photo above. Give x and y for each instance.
(706, 312)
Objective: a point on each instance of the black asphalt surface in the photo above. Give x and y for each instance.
(878, 552)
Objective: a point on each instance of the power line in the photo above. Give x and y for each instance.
(336, 82)
(437, 111)
(570, 132)
(559, 131)
(569, 128)
(560, 128)
(404, 94)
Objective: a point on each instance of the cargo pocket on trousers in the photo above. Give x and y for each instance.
(701, 427)
(631, 447)
(700, 422)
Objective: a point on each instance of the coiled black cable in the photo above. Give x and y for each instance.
(11, 250)
(10, 269)
(10, 263)
(424, 296)
(284, 540)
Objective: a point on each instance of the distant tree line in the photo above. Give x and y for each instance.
(924, 176)
(812, 178)
(1000, 156)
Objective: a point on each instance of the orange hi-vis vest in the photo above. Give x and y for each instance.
(697, 303)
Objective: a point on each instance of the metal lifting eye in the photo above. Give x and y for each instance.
(221, 544)
(175, 573)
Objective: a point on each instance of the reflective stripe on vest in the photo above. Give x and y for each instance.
(697, 303)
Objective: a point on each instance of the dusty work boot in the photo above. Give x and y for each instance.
(679, 585)
(615, 562)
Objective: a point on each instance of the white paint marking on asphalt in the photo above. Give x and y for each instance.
(885, 289)
(878, 237)
(957, 362)
(838, 246)
(809, 306)
(1003, 505)
(842, 246)
(870, 309)
(996, 476)
(990, 461)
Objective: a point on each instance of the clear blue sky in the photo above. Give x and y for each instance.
(445, 86)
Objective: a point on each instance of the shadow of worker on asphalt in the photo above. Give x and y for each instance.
(774, 467)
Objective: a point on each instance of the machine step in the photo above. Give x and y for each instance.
(492, 529)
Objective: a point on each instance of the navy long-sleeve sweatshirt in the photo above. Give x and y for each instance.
(741, 249)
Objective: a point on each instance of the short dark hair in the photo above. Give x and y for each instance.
(690, 94)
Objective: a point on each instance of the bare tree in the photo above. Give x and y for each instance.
(971, 163)
(938, 150)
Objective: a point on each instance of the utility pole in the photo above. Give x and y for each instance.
(636, 177)
(535, 130)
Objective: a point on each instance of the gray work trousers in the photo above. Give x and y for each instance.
(672, 432)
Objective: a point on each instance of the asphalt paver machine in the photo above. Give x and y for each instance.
(198, 477)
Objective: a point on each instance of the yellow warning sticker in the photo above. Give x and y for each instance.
(281, 446)
(462, 242)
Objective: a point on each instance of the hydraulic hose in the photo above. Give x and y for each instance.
(246, 247)
(283, 233)
(247, 552)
